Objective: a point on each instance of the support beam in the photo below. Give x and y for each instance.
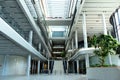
(30, 37)
(85, 39)
(84, 31)
(67, 67)
(105, 33)
(76, 40)
(87, 60)
(104, 24)
(29, 65)
(48, 66)
(73, 63)
(39, 46)
(77, 66)
(72, 44)
(110, 59)
(38, 70)
(4, 65)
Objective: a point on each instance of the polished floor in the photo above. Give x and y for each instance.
(46, 77)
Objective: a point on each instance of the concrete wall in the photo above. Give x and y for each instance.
(115, 60)
(1, 64)
(13, 65)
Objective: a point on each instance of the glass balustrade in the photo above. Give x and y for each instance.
(8, 19)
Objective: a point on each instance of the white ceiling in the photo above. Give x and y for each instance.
(93, 10)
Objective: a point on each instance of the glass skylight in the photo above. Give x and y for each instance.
(57, 31)
(57, 8)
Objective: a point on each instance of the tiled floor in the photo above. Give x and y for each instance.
(46, 77)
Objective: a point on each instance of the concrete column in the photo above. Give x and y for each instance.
(73, 67)
(84, 31)
(110, 59)
(48, 66)
(85, 39)
(67, 66)
(77, 66)
(109, 33)
(105, 33)
(35, 67)
(72, 44)
(5, 65)
(39, 46)
(76, 40)
(30, 37)
(29, 65)
(33, 62)
(32, 71)
(104, 24)
(87, 60)
(38, 70)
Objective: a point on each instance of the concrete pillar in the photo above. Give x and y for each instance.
(38, 70)
(67, 66)
(77, 66)
(35, 66)
(110, 59)
(76, 40)
(33, 62)
(73, 67)
(104, 24)
(29, 65)
(85, 39)
(39, 46)
(105, 33)
(109, 33)
(5, 65)
(87, 60)
(30, 37)
(72, 44)
(48, 66)
(44, 52)
(84, 31)
(32, 71)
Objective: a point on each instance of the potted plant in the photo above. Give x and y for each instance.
(105, 45)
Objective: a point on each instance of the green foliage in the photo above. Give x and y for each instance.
(105, 65)
(106, 44)
(118, 49)
(63, 54)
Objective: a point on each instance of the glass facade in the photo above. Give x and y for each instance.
(115, 21)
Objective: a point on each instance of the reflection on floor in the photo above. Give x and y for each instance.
(46, 77)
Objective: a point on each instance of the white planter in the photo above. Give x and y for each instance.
(103, 73)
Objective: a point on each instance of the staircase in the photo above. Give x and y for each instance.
(58, 67)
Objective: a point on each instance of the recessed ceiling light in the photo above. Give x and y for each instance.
(97, 20)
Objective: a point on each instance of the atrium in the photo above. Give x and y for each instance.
(50, 39)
